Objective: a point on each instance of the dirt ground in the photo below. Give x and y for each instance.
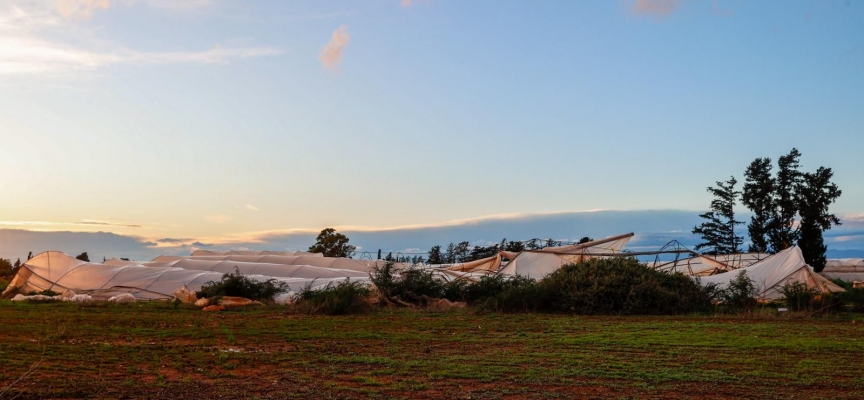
(157, 351)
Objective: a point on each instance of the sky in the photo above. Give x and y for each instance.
(168, 125)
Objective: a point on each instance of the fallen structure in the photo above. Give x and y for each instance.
(537, 264)
(706, 265)
(314, 261)
(254, 253)
(847, 269)
(772, 273)
(58, 272)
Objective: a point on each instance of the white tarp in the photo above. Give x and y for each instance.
(847, 269)
(538, 264)
(705, 265)
(692, 266)
(59, 272)
(770, 274)
(254, 253)
(315, 261)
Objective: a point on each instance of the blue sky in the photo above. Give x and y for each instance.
(225, 121)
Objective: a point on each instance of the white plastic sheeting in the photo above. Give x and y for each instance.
(770, 274)
(315, 261)
(612, 244)
(693, 266)
(247, 268)
(58, 272)
(538, 264)
(847, 269)
(254, 253)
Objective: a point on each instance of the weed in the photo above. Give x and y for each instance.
(236, 284)
(343, 298)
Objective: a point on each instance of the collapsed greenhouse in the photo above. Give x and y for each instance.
(160, 278)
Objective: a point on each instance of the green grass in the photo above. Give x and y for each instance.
(155, 350)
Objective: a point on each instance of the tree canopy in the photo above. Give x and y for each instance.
(332, 244)
(718, 231)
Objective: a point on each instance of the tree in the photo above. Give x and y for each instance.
(6, 268)
(332, 244)
(29, 255)
(514, 246)
(450, 254)
(462, 251)
(435, 255)
(17, 263)
(585, 239)
(815, 193)
(718, 232)
(782, 233)
(83, 257)
(758, 196)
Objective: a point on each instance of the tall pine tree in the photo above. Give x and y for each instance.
(718, 232)
(758, 196)
(782, 232)
(815, 193)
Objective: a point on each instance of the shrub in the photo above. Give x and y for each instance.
(490, 286)
(741, 293)
(46, 292)
(852, 298)
(343, 298)
(521, 296)
(411, 285)
(798, 296)
(621, 286)
(236, 284)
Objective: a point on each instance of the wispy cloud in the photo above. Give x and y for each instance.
(103, 223)
(655, 8)
(81, 9)
(252, 208)
(331, 55)
(406, 3)
(27, 49)
(173, 240)
(35, 56)
(219, 219)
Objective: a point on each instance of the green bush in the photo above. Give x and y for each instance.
(236, 284)
(411, 285)
(523, 295)
(852, 298)
(46, 292)
(491, 286)
(798, 296)
(740, 294)
(621, 286)
(3, 285)
(344, 298)
(597, 286)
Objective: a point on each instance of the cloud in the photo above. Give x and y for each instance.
(331, 55)
(81, 9)
(26, 48)
(653, 228)
(406, 3)
(88, 222)
(252, 208)
(655, 8)
(15, 243)
(219, 218)
(29, 55)
(174, 240)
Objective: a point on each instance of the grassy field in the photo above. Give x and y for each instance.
(153, 350)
